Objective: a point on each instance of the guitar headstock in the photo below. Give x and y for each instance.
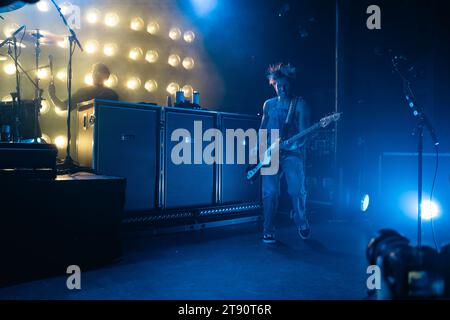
(325, 121)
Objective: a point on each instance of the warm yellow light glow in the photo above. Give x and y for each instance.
(110, 49)
(187, 89)
(63, 43)
(46, 138)
(188, 63)
(61, 75)
(153, 28)
(43, 6)
(45, 106)
(112, 81)
(61, 113)
(133, 83)
(135, 54)
(111, 19)
(9, 68)
(151, 85)
(7, 98)
(91, 46)
(175, 34)
(93, 16)
(43, 73)
(9, 29)
(173, 87)
(174, 60)
(152, 56)
(3, 58)
(60, 142)
(88, 79)
(189, 36)
(65, 8)
(137, 24)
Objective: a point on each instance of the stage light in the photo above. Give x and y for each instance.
(133, 83)
(43, 6)
(137, 24)
(65, 8)
(430, 210)
(188, 63)
(61, 113)
(60, 142)
(365, 201)
(43, 73)
(151, 56)
(9, 68)
(91, 46)
(175, 34)
(9, 29)
(61, 75)
(45, 106)
(151, 85)
(203, 7)
(188, 90)
(135, 54)
(111, 19)
(3, 58)
(46, 138)
(7, 98)
(63, 43)
(174, 60)
(110, 49)
(153, 28)
(93, 16)
(173, 87)
(189, 36)
(112, 81)
(88, 80)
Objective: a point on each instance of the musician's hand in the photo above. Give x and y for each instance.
(51, 89)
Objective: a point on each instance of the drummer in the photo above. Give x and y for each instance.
(100, 73)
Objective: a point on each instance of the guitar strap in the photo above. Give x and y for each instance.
(291, 112)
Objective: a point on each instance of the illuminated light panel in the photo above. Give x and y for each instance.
(43, 6)
(188, 90)
(60, 142)
(175, 34)
(111, 19)
(110, 49)
(188, 63)
(63, 43)
(173, 87)
(93, 16)
(135, 54)
(151, 85)
(7, 98)
(152, 56)
(45, 106)
(91, 46)
(174, 60)
(46, 138)
(61, 113)
(61, 75)
(137, 24)
(112, 81)
(43, 73)
(9, 68)
(153, 28)
(189, 36)
(133, 83)
(88, 80)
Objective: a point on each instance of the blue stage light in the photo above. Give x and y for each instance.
(365, 201)
(203, 7)
(430, 210)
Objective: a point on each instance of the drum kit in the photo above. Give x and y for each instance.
(19, 119)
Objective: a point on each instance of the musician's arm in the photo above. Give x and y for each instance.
(56, 101)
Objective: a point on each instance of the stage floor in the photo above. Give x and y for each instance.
(224, 263)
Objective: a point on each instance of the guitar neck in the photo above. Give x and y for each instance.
(303, 133)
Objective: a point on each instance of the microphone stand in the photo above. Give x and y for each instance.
(423, 121)
(73, 40)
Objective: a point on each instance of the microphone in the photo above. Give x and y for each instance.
(17, 31)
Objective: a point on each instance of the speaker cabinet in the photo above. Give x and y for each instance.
(234, 187)
(122, 139)
(188, 184)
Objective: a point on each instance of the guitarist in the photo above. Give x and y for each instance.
(289, 114)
